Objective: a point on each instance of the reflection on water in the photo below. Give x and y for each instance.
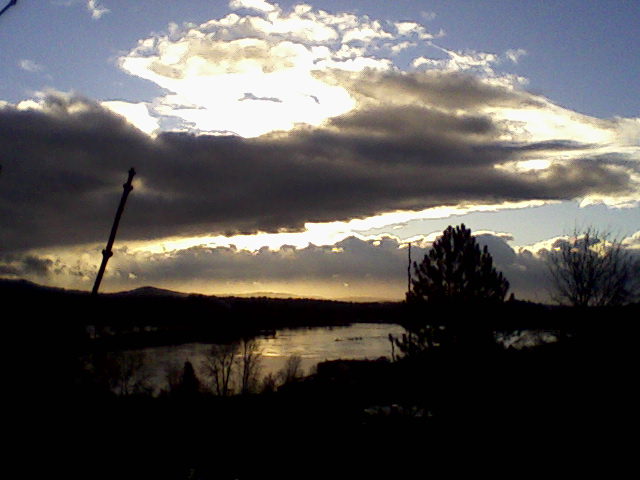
(318, 344)
(313, 345)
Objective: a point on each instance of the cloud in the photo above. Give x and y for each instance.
(406, 148)
(259, 5)
(27, 266)
(136, 113)
(481, 64)
(356, 262)
(96, 9)
(332, 132)
(399, 47)
(271, 53)
(514, 55)
(633, 241)
(349, 268)
(433, 89)
(210, 79)
(30, 66)
(428, 16)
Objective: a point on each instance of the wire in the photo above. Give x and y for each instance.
(8, 6)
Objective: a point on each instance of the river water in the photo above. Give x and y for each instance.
(155, 365)
(312, 345)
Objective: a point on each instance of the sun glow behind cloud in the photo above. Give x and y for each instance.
(264, 69)
(135, 113)
(535, 124)
(322, 234)
(253, 74)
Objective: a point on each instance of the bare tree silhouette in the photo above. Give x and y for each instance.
(250, 365)
(122, 373)
(218, 365)
(292, 369)
(234, 367)
(593, 269)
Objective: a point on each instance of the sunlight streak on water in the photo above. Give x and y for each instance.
(313, 345)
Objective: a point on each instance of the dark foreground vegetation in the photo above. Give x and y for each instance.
(462, 402)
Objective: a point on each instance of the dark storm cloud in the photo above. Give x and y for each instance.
(59, 170)
(26, 266)
(63, 168)
(451, 90)
(37, 266)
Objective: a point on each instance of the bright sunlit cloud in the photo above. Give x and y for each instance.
(260, 5)
(322, 234)
(136, 113)
(535, 124)
(257, 73)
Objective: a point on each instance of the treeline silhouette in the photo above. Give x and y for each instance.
(465, 392)
(148, 316)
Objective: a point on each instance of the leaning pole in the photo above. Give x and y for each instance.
(107, 253)
(409, 269)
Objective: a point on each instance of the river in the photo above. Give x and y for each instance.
(312, 345)
(155, 365)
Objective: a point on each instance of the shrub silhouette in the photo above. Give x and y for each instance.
(456, 271)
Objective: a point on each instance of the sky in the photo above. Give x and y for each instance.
(298, 148)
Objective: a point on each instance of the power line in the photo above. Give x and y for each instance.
(8, 6)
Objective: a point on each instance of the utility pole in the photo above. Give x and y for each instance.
(107, 253)
(409, 269)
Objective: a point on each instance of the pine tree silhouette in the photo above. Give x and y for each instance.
(456, 280)
(456, 271)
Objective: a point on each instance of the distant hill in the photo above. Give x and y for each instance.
(360, 299)
(21, 285)
(293, 296)
(280, 295)
(149, 291)
(167, 306)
